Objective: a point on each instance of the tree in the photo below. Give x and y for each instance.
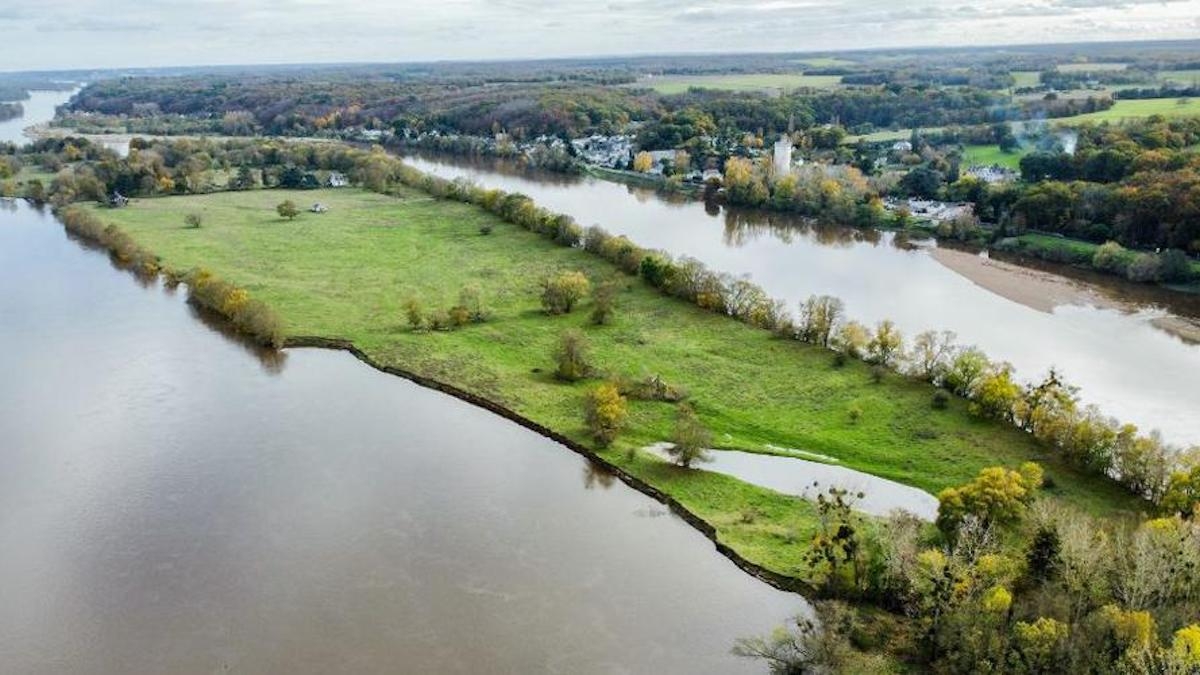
(996, 496)
(887, 345)
(968, 365)
(287, 209)
(818, 645)
(930, 358)
(572, 357)
(605, 410)
(604, 302)
(996, 394)
(193, 220)
(691, 438)
(470, 298)
(852, 339)
(561, 292)
(819, 314)
(643, 162)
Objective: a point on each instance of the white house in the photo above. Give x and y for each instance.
(337, 179)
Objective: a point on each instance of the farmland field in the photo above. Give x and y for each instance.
(769, 82)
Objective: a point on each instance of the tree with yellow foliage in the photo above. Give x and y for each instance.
(605, 411)
(643, 162)
(997, 495)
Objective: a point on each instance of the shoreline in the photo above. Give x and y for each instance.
(776, 580)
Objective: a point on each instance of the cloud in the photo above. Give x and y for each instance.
(95, 33)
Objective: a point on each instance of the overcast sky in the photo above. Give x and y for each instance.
(45, 34)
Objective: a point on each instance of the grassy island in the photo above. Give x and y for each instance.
(347, 273)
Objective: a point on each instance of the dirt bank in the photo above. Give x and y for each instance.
(1033, 288)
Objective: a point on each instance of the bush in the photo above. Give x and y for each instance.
(287, 209)
(1144, 268)
(485, 229)
(605, 411)
(855, 412)
(572, 357)
(878, 373)
(193, 221)
(940, 400)
(604, 302)
(1111, 257)
(470, 298)
(414, 314)
(691, 438)
(562, 292)
(1174, 266)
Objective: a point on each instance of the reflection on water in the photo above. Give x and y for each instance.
(170, 507)
(1118, 354)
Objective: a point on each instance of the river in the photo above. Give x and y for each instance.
(39, 108)
(1106, 336)
(175, 501)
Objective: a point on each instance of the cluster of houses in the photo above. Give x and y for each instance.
(613, 152)
(992, 174)
(931, 209)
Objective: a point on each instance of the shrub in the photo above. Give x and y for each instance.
(1174, 266)
(1144, 268)
(604, 302)
(470, 298)
(572, 357)
(414, 314)
(459, 316)
(287, 209)
(562, 292)
(1111, 257)
(691, 438)
(193, 221)
(439, 319)
(652, 388)
(485, 229)
(856, 413)
(605, 411)
(877, 374)
(940, 400)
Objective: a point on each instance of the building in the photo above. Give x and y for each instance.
(337, 179)
(782, 155)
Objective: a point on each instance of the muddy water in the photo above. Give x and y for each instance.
(1120, 343)
(171, 501)
(38, 108)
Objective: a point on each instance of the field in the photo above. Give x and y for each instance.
(347, 273)
(1187, 78)
(768, 82)
(1026, 78)
(879, 136)
(987, 155)
(1090, 67)
(1123, 110)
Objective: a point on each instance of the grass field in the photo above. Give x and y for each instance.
(1026, 78)
(1067, 249)
(1136, 109)
(987, 155)
(770, 82)
(825, 62)
(879, 136)
(1186, 78)
(1091, 67)
(346, 274)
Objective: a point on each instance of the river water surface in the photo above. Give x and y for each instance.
(173, 501)
(1106, 336)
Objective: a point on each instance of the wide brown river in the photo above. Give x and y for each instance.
(1110, 338)
(173, 502)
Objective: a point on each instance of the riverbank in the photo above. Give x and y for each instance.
(1079, 253)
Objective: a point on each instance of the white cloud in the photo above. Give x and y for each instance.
(107, 33)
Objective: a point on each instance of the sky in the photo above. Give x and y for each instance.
(62, 34)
